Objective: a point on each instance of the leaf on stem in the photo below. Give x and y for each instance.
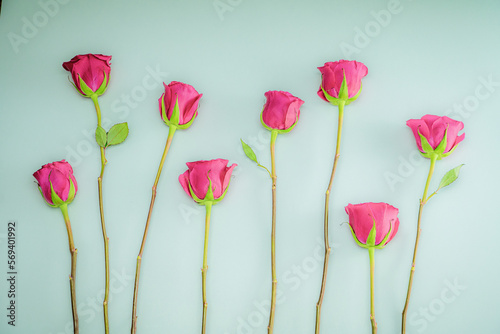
(117, 134)
(249, 152)
(100, 136)
(449, 177)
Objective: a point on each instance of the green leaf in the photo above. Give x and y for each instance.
(449, 177)
(117, 133)
(249, 152)
(100, 136)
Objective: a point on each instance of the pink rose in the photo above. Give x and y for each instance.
(90, 73)
(367, 216)
(281, 111)
(430, 132)
(332, 79)
(200, 174)
(59, 175)
(179, 104)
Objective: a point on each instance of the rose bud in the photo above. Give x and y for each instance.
(341, 81)
(179, 104)
(206, 181)
(56, 183)
(436, 136)
(90, 73)
(281, 111)
(372, 225)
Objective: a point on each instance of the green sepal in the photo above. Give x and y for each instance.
(100, 136)
(72, 192)
(209, 196)
(84, 88)
(223, 194)
(382, 243)
(438, 153)
(174, 119)
(188, 124)
(370, 241)
(448, 153)
(429, 151)
(333, 100)
(442, 145)
(278, 130)
(249, 152)
(355, 96)
(163, 112)
(262, 121)
(360, 244)
(117, 134)
(344, 90)
(77, 88)
(193, 195)
(343, 94)
(55, 198)
(41, 193)
(103, 86)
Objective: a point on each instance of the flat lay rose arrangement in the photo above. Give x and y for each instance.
(206, 182)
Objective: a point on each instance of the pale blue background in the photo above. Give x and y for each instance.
(428, 57)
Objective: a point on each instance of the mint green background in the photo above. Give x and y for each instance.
(430, 57)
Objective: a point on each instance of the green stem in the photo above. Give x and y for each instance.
(103, 224)
(208, 207)
(73, 251)
(412, 271)
(327, 201)
(371, 252)
(141, 250)
(274, 135)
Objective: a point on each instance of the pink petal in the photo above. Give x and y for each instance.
(184, 181)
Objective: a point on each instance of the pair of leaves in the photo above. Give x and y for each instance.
(116, 135)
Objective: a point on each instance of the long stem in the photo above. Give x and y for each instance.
(139, 256)
(412, 271)
(327, 200)
(371, 252)
(274, 135)
(208, 207)
(73, 251)
(103, 224)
